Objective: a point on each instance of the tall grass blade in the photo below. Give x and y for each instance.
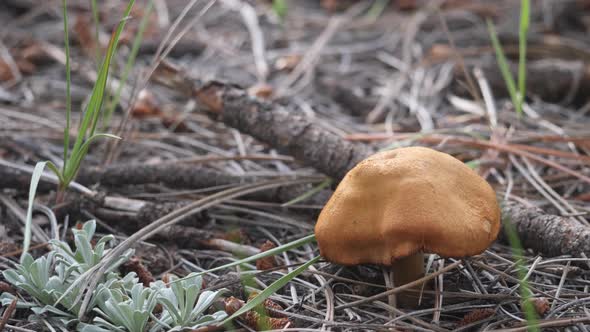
(68, 88)
(522, 41)
(308, 193)
(504, 68)
(526, 294)
(111, 50)
(271, 252)
(56, 171)
(275, 286)
(78, 156)
(129, 65)
(96, 97)
(280, 8)
(96, 30)
(90, 117)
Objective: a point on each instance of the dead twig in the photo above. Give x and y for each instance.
(8, 313)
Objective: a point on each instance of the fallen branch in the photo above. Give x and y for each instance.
(8, 313)
(184, 176)
(175, 176)
(548, 323)
(550, 234)
(293, 134)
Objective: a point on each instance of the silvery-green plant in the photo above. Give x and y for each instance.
(38, 278)
(85, 256)
(45, 282)
(184, 304)
(47, 278)
(122, 310)
(121, 304)
(32, 276)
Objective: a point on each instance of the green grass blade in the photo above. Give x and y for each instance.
(522, 45)
(90, 117)
(96, 30)
(271, 252)
(526, 294)
(78, 155)
(129, 65)
(68, 88)
(309, 193)
(96, 98)
(377, 9)
(274, 251)
(280, 8)
(91, 139)
(111, 50)
(504, 67)
(273, 288)
(55, 170)
(473, 164)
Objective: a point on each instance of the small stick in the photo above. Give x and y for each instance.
(548, 323)
(8, 313)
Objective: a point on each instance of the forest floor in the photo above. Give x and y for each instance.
(248, 99)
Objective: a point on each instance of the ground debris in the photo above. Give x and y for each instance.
(340, 80)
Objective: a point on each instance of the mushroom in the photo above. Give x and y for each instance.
(396, 205)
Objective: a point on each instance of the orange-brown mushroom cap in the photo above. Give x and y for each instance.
(408, 200)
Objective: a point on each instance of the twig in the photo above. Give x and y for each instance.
(8, 313)
(548, 323)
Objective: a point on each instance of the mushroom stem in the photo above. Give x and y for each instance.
(405, 270)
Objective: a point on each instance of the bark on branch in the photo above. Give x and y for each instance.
(179, 176)
(550, 234)
(293, 134)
